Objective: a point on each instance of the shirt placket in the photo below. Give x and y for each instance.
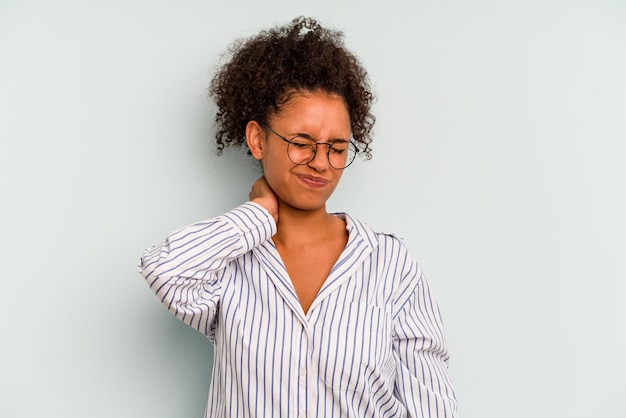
(302, 368)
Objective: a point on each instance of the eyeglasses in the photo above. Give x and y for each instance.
(301, 150)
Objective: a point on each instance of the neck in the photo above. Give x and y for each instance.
(300, 226)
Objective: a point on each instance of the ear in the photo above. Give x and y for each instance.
(255, 138)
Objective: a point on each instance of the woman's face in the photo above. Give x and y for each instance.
(318, 115)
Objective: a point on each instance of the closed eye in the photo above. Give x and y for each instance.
(302, 142)
(339, 147)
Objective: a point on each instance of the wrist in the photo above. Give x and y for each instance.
(269, 205)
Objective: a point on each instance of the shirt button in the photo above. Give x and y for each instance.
(302, 374)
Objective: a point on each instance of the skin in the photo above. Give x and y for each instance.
(309, 239)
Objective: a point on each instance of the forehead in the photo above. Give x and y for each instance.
(314, 112)
(298, 97)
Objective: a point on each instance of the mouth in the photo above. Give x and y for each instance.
(313, 181)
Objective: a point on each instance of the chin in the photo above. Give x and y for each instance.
(305, 200)
(309, 208)
(305, 205)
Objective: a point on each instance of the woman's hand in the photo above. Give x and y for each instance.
(263, 194)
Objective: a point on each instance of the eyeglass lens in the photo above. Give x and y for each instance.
(302, 151)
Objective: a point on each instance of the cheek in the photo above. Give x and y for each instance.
(272, 161)
(274, 173)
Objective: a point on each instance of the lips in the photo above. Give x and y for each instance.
(313, 181)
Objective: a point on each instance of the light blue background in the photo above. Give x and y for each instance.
(499, 157)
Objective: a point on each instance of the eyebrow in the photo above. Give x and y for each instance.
(307, 136)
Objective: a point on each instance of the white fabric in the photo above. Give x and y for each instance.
(370, 345)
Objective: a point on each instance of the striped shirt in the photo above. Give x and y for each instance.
(370, 345)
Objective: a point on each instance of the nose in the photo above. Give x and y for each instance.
(320, 160)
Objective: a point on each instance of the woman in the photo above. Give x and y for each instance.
(312, 314)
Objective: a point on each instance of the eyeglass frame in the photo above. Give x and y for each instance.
(350, 142)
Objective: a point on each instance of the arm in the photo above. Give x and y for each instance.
(422, 381)
(184, 270)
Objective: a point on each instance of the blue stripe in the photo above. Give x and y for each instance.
(372, 343)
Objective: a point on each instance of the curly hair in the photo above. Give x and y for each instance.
(261, 71)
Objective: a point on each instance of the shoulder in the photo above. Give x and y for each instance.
(389, 259)
(366, 232)
(383, 246)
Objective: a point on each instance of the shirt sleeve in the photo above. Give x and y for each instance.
(422, 381)
(184, 271)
